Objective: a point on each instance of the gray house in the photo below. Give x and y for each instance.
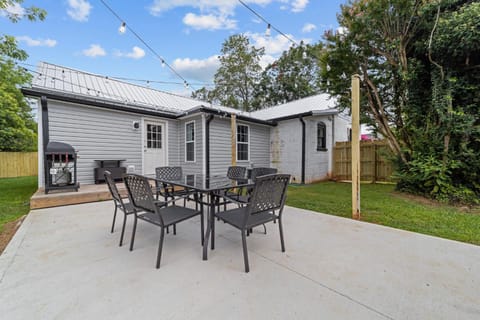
(103, 118)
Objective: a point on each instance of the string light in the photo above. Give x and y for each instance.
(122, 28)
(268, 31)
(142, 41)
(163, 63)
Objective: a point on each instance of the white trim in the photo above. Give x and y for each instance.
(164, 138)
(194, 142)
(237, 142)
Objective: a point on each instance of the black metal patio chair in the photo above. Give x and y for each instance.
(265, 205)
(163, 216)
(122, 204)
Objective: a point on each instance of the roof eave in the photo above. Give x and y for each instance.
(72, 98)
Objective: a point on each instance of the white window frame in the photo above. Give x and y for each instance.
(247, 143)
(192, 141)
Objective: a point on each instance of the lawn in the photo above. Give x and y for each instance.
(380, 204)
(15, 195)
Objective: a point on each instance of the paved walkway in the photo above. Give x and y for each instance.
(64, 264)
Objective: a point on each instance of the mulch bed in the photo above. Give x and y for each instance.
(8, 232)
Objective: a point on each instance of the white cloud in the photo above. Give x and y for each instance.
(79, 10)
(136, 53)
(214, 14)
(14, 9)
(209, 22)
(274, 45)
(308, 27)
(299, 5)
(37, 42)
(95, 50)
(198, 69)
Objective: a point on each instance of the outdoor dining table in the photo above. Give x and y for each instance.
(211, 186)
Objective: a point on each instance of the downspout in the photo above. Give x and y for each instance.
(45, 135)
(207, 145)
(330, 167)
(303, 149)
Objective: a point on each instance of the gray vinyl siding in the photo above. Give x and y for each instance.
(221, 146)
(95, 134)
(174, 144)
(259, 145)
(197, 165)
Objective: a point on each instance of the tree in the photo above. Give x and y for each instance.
(237, 76)
(17, 127)
(293, 76)
(416, 60)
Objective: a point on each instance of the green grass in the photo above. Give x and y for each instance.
(381, 205)
(15, 196)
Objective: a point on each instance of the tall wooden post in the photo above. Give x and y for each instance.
(233, 137)
(356, 146)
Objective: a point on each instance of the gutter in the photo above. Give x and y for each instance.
(227, 114)
(303, 148)
(45, 135)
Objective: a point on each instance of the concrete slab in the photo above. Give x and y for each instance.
(64, 263)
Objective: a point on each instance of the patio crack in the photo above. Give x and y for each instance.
(317, 283)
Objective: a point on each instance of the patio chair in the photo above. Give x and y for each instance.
(235, 173)
(141, 196)
(120, 203)
(168, 173)
(265, 205)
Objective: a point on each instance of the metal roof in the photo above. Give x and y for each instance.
(318, 104)
(101, 88)
(76, 85)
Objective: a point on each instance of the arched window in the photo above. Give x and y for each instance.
(321, 136)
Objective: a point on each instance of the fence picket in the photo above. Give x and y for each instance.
(18, 164)
(374, 166)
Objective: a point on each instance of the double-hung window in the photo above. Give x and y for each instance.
(190, 141)
(321, 136)
(243, 138)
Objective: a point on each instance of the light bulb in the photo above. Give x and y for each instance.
(122, 28)
(268, 31)
(163, 63)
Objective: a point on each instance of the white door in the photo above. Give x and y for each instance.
(153, 146)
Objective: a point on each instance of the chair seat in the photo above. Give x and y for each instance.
(170, 215)
(235, 218)
(127, 208)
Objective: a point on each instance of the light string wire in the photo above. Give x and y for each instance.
(146, 44)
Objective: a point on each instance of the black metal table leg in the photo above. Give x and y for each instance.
(207, 234)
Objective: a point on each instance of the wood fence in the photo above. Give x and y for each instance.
(18, 164)
(374, 163)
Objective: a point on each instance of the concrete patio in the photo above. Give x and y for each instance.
(63, 263)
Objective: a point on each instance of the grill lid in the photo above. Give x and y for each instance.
(54, 147)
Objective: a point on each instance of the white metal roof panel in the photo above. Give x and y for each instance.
(320, 102)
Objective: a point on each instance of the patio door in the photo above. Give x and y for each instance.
(154, 148)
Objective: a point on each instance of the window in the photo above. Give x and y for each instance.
(321, 136)
(190, 141)
(242, 142)
(154, 136)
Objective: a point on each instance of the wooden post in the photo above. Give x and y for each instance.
(356, 146)
(233, 130)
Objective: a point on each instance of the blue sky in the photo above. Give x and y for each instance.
(187, 34)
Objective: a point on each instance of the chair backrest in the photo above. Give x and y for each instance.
(113, 187)
(269, 193)
(236, 172)
(168, 173)
(261, 171)
(140, 192)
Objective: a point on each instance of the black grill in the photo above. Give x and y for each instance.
(60, 167)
